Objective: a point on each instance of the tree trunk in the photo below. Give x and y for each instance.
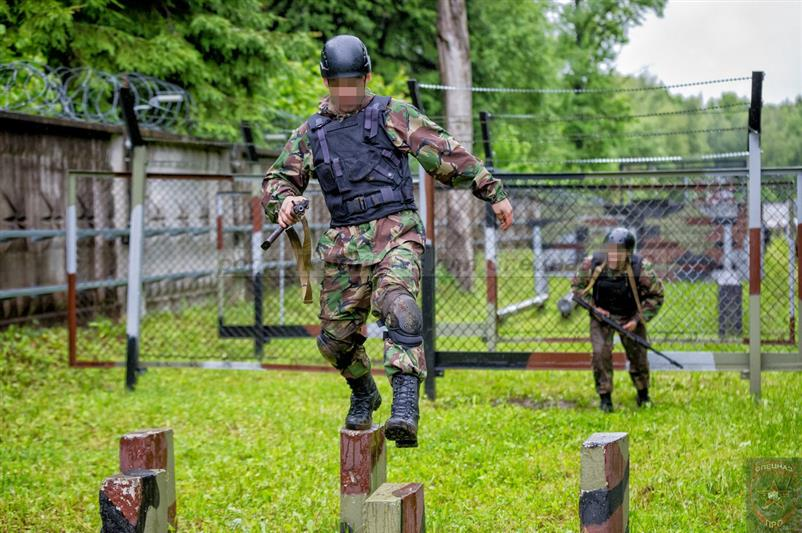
(453, 48)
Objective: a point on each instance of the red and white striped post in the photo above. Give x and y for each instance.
(755, 224)
(71, 227)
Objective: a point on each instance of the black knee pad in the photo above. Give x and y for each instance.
(341, 350)
(404, 320)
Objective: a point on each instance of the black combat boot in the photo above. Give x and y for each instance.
(643, 397)
(365, 399)
(402, 426)
(606, 403)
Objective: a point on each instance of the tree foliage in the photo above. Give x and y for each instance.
(257, 60)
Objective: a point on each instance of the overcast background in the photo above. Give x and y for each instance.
(709, 39)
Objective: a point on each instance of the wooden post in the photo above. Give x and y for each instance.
(604, 484)
(755, 215)
(396, 508)
(134, 502)
(152, 449)
(363, 468)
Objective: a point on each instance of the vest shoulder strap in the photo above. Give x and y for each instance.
(317, 121)
(597, 264)
(637, 264)
(598, 258)
(373, 113)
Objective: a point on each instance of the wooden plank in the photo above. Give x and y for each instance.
(152, 449)
(363, 468)
(604, 484)
(396, 508)
(134, 502)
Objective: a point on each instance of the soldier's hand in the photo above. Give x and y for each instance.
(286, 217)
(603, 312)
(631, 325)
(503, 211)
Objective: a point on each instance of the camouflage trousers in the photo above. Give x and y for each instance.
(601, 338)
(347, 294)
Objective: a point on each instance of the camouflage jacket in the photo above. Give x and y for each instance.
(442, 156)
(650, 287)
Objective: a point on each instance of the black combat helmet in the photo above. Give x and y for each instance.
(622, 237)
(344, 56)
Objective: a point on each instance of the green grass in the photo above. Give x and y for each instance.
(258, 451)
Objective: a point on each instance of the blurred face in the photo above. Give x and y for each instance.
(346, 94)
(616, 256)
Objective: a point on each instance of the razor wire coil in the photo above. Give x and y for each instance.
(91, 95)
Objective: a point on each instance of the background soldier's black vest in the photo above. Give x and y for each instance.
(613, 293)
(362, 174)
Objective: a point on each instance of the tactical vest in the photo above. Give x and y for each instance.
(613, 293)
(362, 174)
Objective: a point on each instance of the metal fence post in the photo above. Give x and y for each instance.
(491, 262)
(135, 250)
(426, 209)
(257, 217)
(136, 243)
(755, 240)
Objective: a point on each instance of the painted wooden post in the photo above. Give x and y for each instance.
(604, 484)
(363, 468)
(396, 508)
(755, 216)
(136, 242)
(71, 223)
(134, 502)
(152, 449)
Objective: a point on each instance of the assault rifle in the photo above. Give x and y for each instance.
(298, 209)
(620, 329)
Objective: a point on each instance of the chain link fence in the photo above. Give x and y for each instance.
(96, 310)
(210, 295)
(691, 226)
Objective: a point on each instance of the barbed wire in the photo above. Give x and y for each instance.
(439, 87)
(633, 159)
(90, 95)
(543, 119)
(581, 136)
(539, 119)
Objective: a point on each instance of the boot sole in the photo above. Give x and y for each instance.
(402, 433)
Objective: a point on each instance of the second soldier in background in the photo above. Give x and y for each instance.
(624, 287)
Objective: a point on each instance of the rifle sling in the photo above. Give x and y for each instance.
(634, 286)
(303, 258)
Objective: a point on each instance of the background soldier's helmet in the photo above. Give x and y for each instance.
(344, 56)
(622, 237)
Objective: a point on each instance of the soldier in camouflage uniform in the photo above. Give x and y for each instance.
(357, 147)
(624, 287)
